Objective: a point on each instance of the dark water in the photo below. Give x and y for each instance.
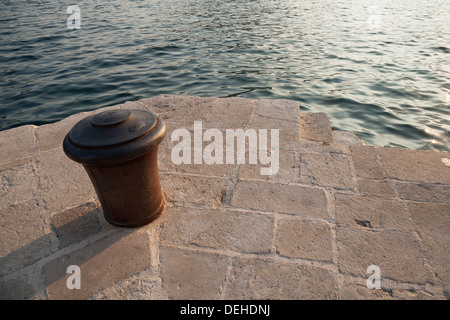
(380, 69)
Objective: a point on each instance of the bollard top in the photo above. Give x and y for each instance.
(114, 136)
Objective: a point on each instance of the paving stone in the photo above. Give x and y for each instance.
(322, 169)
(361, 292)
(423, 192)
(365, 161)
(315, 126)
(288, 131)
(21, 285)
(17, 184)
(62, 183)
(17, 143)
(50, 136)
(199, 190)
(25, 236)
(380, 188)
(218, 229)
(398, 254)
(74, 225)
(370, 212)
(433, 224)
(346, 138)
(281, 198)
(297, 238)
(179, 108)
(230, 113)
(280, 109)
(194, 275)
(259, 278)
(288, 169)
(141, 286)
(415, 165)
(101, 263)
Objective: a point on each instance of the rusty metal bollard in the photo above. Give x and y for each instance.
(118, 149)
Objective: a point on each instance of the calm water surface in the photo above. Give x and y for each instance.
(380, 69)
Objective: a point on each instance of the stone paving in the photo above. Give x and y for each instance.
(335, 207)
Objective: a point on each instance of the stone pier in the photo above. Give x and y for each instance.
(335, 208)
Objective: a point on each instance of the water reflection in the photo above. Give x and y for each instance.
(378, 68)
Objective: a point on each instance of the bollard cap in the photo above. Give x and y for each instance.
(114, 136)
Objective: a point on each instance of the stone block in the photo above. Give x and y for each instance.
(297, 238)
(62, 183)
(370, 212)
(365, 161)
(288, 169)
(17, 184)
(50, 136)
(76, 224)
(380, 188)
(280, 109)
(101, 263)
(398, 254)
(346, 138)
(218, 229)
(423, 166)
(198, 190)
(432, 222)
(257, 279)
(179, 108)
(193, 275)
(25, 236)
(281, 198)
(423, 192)
(326, 169)
(288, 131)
(17, 143)
(315, 126)
(230, 113)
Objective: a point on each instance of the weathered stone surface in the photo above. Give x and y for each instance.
(288, 169)
(315, 126)
(380, 188)
(21, 285)
(288, 132)
(17, 184)
(279, 279)
(326, 169)
(307, 232)
(181, 189)
(220, 229)
(194, 275)
(25, 236)
(62, 183)
(101, 263)
(415, 165)
(370, 212)
(281, 198)
(50, 136)
(346, 138)
(142, 286)
(230, 113)
(423, 192)
(361, 292)
(74, 225)
(179, 108)
(298, 238)
(278, 109)
(397, 253)
(365, 161)
(432, 221)
(17, 143)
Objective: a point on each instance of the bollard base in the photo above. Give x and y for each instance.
(138, 223)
